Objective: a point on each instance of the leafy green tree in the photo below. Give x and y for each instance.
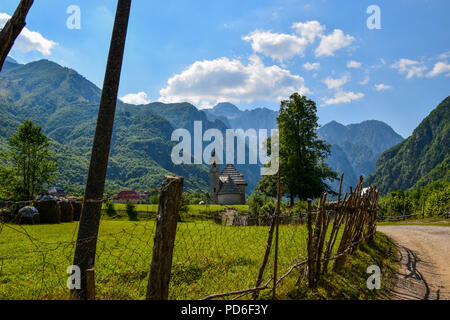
(303, 170)
(28, 164)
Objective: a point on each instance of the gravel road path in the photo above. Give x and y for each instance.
(424, 262)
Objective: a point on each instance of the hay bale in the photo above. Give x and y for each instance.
(66, 211)
(77, 207)
(49, 211)
(27, 215)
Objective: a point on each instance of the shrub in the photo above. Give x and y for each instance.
(110, 210)
(131, 211)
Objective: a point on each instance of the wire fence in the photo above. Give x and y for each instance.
(217, 255)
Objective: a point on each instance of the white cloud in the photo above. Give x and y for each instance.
(207, 82)
(440, 67)
(30, 40)
(365, 81)
(412, 68)
(343, 97)
(136, 98)
(354, 64)
(309, 30)
(335, 83)
(444, 55)
(382, 87)
(311, 66)
(278, 46)
(333, 42)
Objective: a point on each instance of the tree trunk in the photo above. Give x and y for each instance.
(13, 28)
(90, 217)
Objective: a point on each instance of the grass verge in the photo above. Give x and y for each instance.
(350, 283)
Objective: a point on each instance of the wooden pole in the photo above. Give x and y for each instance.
(423, 208)
(95, 185)
(404, 208)
(310, 246)
(166, 227)
(13, 28)
(90, 280)
(277, 225)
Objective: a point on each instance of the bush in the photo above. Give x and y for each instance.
(131, 211)
(110, 210)
(154, 199)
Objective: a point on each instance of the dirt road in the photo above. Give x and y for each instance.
(424, 262)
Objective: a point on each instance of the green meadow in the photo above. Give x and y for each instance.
(208, 259)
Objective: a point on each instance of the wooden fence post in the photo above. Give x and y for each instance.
(277, 226)
(166, 226)
(90, 284)
(423, 208)
(310, 246)
(404, 208)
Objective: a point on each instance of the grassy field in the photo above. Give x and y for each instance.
(148, 211)
(208, 259)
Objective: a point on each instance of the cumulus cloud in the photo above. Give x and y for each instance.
(29, 40)
(136, 98)
(354, 64)
(382, 87)
(343, 97)
(309, 30)
(335, 83)
(208, 82)
(409, 67)
(311, 66)
(278, 46)
(333, 42)
(440, 67)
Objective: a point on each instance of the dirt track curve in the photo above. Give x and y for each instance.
(424, 272)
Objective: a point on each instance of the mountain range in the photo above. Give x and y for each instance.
(65, 104)
(422, 158)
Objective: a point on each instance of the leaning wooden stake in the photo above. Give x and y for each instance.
(267, 252)
(13, 28)
(95, 185)
(277, 226)
(310, 246)
(166, 227)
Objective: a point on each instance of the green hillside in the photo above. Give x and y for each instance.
(420, 159)
(65, 104)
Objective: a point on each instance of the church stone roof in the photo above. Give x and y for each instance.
(229, 187)
(236, 177)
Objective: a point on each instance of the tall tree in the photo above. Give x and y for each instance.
(90, 217)
(302, 154)
(29, 163)
(13, 28)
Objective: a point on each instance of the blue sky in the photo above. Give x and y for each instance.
(253, 53)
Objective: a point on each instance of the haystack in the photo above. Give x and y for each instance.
(77, 206)
(27, 215)
(49, 211)
(66, 211)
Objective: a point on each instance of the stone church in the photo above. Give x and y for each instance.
(226, 187)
